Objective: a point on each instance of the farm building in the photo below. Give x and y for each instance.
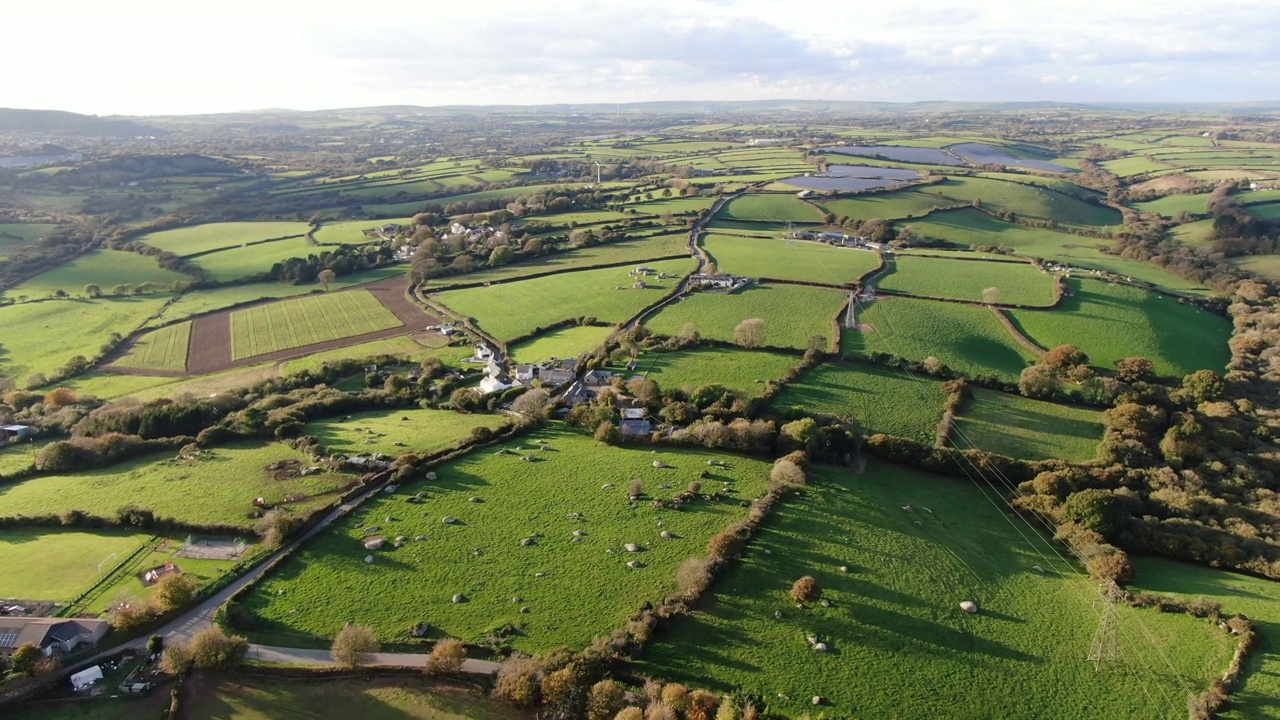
(719, 282)
(11, 433)
(51, 635)
(635, 422)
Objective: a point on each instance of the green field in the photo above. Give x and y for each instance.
(964, 337)
(1171, 205)
(900, 647)
(1017, 283)
(792, 314)
(545, 300)
(770, 257)
(1027, 429)
(565, 342)
(237, 263)
(67, 560)
(585, 591)
(1133, 166)
(18, 456)
(618, 251)
(104, 268)
(395, 432)
(215, 488)
(164, 349)
(352, 231)
(745, 370)
(400, 346)
(43, 336)
(883, 400)
(1266, 266)
(19, 233)
(306, 321)
(1110, 322)
(216, 236)
(774, 207)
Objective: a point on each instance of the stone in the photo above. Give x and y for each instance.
(819, 647)
(969, 606)
(844, 568)
(635, 564)
(368, 558)
(474, 499)
(817, 700)
(431, 476)
(631, 547)
(448, 520)
(459, 598)
(666, 534)
(527, 542)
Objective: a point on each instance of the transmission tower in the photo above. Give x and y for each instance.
(1104, 650)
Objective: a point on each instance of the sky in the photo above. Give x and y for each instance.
(202, 56)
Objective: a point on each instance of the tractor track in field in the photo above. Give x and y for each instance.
(210, 347)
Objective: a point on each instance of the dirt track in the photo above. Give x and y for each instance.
(210, 348)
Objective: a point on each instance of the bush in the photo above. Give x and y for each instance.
(211, 648)
(176, 658)
(353, 645)
(174, 590)
(806, 589)
(446, 657)
(517, 680)
(605, 700)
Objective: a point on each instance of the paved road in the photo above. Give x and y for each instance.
(299, 656)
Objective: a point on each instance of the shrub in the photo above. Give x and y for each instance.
(806, 589)
(353, 645)
(211, 648)
(676, 695)
(128, 616)
(631, 713)
(173, 591)
(702, 706)
(517, 680)
(785, 475)
(605, 700)
(446, 657)
(725, 544)
(274, 527)
(25, 657)
(176, 658)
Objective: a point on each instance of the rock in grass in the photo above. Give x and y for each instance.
(820, 647)
(817, 700)
(631, 547)
(527, 542)
(666, 534)
(969, 606)
(431, 476)
(634, 564)
(459, 598)
(368, 558)
(844, 568)
(449, 520)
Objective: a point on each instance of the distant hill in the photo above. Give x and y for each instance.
(68, 123)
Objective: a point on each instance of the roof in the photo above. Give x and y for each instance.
(634, 413)
(42, 632)
(14, 428)
(84, 678)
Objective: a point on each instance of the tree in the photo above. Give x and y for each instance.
(501, 255)
(155, 644)
(1038, 381)
(1202, 385)
(806, 589)
(353, 645)
(25, 658)
(605, 700)
(212, 648)
(1135, 369)
(274, 527)
(174, 590)
(533, 405)
(176, 658)
(326, 277)
(749, 333)
(1097, 510)
(606, 432)
(629, 713)
(93, 290)
(60, 397)
(1063, 357)
(446, 657)
(517, 680)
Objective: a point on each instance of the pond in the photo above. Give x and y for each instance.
(897, 153)
(854, 177)
(981, 154)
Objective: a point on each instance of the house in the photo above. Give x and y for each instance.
(597, 378)
(576, 394)
(51, 635)
(15, 432)
(635, 428)
(526, 373)
(482, 354)
(555, 375)
(833, 237)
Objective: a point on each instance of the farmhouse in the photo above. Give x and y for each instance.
(51, 635)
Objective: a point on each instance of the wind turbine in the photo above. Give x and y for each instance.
(597, 162)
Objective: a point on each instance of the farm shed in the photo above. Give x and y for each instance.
(15, 432)
(86, 678)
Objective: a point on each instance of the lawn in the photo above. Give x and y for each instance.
(1027, 429)
(883, 400)
(395, 432)
(1109, 322)
(546, 300)
(163, 349)
(788, 260)
(215, 488)
(745, 370)
(564, 342)
(900, 647)
(104, 268)
(792, 313)
(67, 560)
(775, 207)
(1018, 283)
(43, 336)
(964, 337)
(305, 321)
(618, 251)
(215, 236)
(586, 587)
(1256, 598)
(244, 698)
(244, 262)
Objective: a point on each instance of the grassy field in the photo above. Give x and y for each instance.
(67, 559)
(105, 268)
(545, 300)
(776, 207)
(43, 336)
(1027, 429)
(1018, 283)
(792, 314)
(964, 337)
(215, 488)
(637, 251)
(234, 698)
(163, 349)
(400, 346)
(975, 228)
(417, 430)
(900, 647)
(1256, 598)
(1266, 266)
(352, 231)
(18, 456)
(1110, 322)
(745, 370)
(565, 342)
(996, 195)
(796, 260)
(881, 399)
(237, 263)
(18, 233)
(1171, 205)
(215, 236)
(1133, 166)
(1196, 234)
(305, 321)
(585, 590)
